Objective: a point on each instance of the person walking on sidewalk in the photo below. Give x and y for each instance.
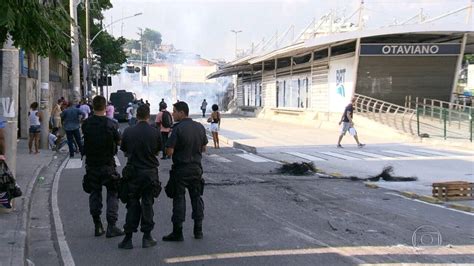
(215, 121)
(164, 121)
(35, 118)
(101, 137)
(86, 110)
(56, 115)
(71, 118)
(141, 144)
(186, 144)
(348, 124)
(110, 110)
(203, 108)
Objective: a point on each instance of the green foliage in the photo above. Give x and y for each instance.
(111, 52)
(34, 27)
(151, 39)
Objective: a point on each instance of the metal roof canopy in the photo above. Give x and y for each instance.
(302, 48)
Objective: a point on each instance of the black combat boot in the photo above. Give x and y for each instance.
(99, 229)
(113, 231)
(176, 235)
(126, 242)
(198, 229)
(148, 240)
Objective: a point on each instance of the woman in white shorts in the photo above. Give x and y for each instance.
(215, 121)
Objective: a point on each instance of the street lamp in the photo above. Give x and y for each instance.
(89, 43)
(236, 32)
(118, 20)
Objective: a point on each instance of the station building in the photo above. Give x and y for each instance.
(320, 75)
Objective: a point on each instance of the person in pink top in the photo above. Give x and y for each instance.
(110, 110)
(164, 120)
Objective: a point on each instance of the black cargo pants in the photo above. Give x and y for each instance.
(107, 176)
(193, 184)
(141, 200)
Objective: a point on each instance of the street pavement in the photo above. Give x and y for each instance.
(15, 224)
(285, 142)
(256, 216)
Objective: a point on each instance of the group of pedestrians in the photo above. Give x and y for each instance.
(177, 136)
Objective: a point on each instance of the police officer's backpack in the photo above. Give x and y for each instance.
(167, 120)
(99, 142)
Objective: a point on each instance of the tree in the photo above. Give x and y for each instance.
(107, 46)
(151, 40)
(36, 27)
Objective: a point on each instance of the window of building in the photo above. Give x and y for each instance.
(269, 65)
(293, 93)
(283, 62)
(301, 59)
(320, 54)
(343, 49)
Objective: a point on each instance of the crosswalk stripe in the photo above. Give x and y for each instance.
(254, 158)
(74, 164)
(340, 156)
(435, 152)
(305, 156)
(218, 158)
(117, 161)
(401, 153)
(371, 155)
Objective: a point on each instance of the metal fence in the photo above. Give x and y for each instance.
(422, 117)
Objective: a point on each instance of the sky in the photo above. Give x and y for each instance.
(204, 26)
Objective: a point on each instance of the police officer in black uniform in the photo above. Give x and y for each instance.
(141, 144)
(186, 144)
(101, 137)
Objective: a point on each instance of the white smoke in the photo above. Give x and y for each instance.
(192, 93)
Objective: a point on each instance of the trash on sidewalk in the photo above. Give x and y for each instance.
(387, 175)
(302, 168)
(453, 190)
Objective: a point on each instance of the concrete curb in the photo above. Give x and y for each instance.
(233, 143)
(433, 200)
(21, 236)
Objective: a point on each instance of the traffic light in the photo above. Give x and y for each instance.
(130, 69)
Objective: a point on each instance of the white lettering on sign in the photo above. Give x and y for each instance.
(410, 49)
(8, 107)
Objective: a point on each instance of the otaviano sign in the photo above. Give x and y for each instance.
(410, 49)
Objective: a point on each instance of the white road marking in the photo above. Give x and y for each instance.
(371, 155)
(305, 156)
(340, 156)
(65, 252)
(436, 153)
(218, 158)
(402, 153)
(117, 161)
(349, 252)
(74, 164)
(254, 158)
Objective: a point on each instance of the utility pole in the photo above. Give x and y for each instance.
(469, 12)
(44, 102)
(141, 55)
(76, 86)
(9, 81)
(361, 14)
(87, 78)
(236, 32)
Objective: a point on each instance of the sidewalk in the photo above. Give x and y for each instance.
(14, 224)
(267, 138)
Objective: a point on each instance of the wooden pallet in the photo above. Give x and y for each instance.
(454, 190)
